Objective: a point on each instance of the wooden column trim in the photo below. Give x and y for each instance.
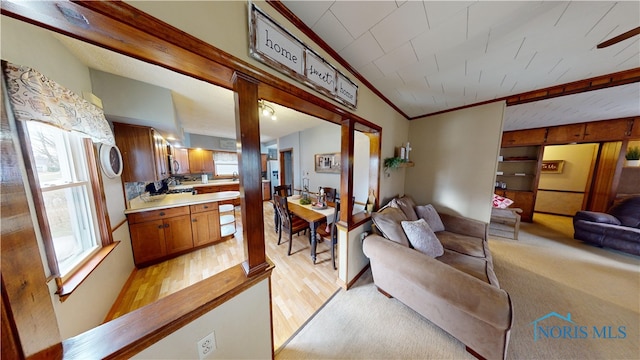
(346, 179)
(248, 138)
(25, 295)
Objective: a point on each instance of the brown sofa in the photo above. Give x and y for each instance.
(458, 291)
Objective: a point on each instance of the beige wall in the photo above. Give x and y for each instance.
(87, 307)
(455, 156)
(241, 327)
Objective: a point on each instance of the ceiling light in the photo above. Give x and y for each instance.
(266, 109)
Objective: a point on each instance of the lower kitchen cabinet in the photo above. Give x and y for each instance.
(157, 235)
(205, 223)
(177, 234)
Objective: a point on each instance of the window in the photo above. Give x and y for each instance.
(63, 168)
(225, 164)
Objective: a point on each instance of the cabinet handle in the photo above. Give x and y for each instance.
(194, 220)
(162, 213)
(206, 207)
(160, 226)
(166, 226)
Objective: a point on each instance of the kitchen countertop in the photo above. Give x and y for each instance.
(182, 199)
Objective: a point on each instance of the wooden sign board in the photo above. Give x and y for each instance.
(552, 166)
(273, 45)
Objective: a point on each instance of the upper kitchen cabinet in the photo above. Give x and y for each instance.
(524, 137)
(635, 130)
(200, 161)
(607, 130)
(141, 153)
(181, 161)
(565, 134)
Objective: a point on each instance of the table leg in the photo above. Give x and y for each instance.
(314, 242)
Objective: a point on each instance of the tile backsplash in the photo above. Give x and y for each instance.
(134, 189)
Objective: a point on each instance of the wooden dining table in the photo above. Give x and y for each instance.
(314, 217)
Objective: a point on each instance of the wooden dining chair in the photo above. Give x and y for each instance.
(288, 223)
(331, 235)
(282, 190)
(330, 193)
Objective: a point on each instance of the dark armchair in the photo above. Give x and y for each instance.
(618, 228)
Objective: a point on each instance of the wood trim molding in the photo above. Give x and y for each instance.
(594, 83)
(155, 321)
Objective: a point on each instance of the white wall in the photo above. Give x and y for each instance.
(87, 307)
(242, 329)
(455, 157)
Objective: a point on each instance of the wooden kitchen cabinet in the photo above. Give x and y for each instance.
(157, 234)
(141, 155)
(147, 241)
(524, 137)
(201, 161)
(177, 234)
(205, 223)
(607, 130)
(181, 161)
(565, 134)
(266, 190)
(635, 130)
(161, 155)
(524, 200)
(263, 162)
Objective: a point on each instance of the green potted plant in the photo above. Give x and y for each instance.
(633, 156)
(393, 162)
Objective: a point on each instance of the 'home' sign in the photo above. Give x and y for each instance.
(271, 44)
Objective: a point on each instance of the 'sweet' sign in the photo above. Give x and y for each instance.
(271, 44)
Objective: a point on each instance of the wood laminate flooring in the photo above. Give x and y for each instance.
(298, 288)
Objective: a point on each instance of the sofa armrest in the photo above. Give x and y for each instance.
(409, 267)
(465, 226)
(597, 217)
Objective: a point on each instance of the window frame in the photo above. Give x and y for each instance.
(68, 283)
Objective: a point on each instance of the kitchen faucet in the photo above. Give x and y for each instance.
(235, 176)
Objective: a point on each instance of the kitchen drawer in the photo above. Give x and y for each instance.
(204, 207)
(157, 214)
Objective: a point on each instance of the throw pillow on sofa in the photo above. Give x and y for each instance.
(406, 204)
(422, 238)
(430, 215)
(387, 221)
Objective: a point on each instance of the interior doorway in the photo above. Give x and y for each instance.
(563, 189)
(286, 167)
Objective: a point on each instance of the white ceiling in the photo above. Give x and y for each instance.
(429, 56)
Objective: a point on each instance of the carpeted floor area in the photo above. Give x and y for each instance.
(544, 271)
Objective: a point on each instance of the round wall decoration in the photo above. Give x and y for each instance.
(111, 160)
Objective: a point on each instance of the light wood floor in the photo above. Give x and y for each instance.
(298, 288)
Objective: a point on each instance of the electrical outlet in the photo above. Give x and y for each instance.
(206, 346)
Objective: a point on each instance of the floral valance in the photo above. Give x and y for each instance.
(35, 97)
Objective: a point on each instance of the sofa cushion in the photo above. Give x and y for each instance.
(463, 244)
(405, 204)
(387, 220)
(474, 266)
(430, 215)
(628, 212)
(422, 238)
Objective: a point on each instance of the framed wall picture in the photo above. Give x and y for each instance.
(552, 166)
(327, 163)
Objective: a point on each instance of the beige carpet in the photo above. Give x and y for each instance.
(545, 271)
